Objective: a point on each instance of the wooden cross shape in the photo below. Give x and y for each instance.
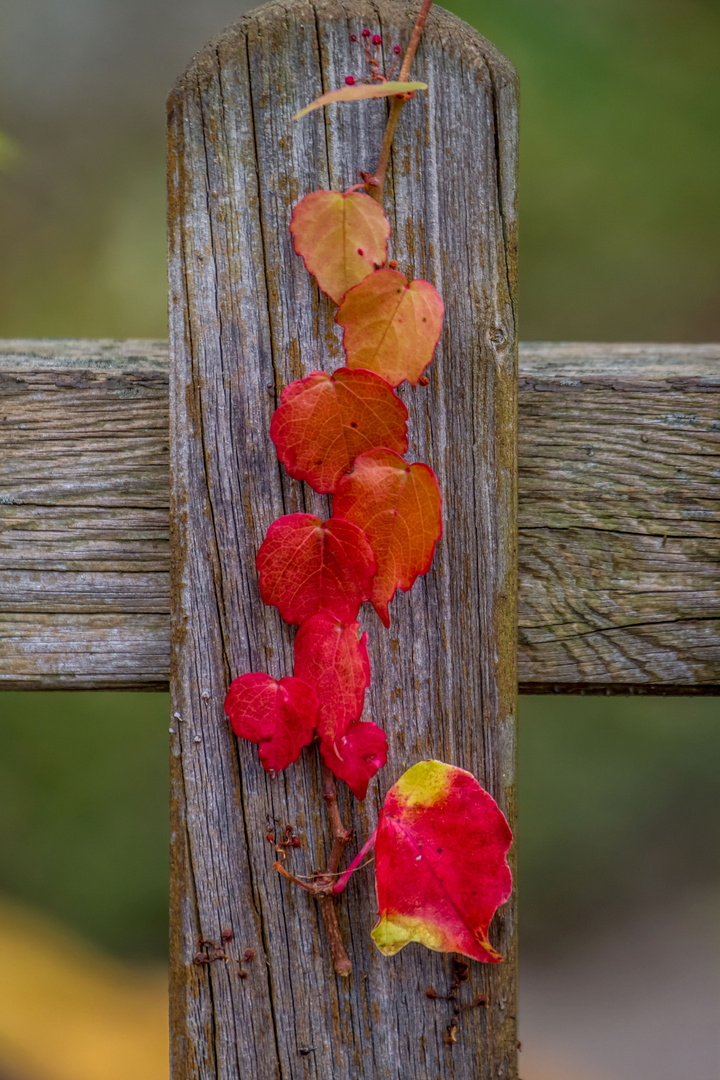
(618, 517)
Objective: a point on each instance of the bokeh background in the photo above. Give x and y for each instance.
(620, 798)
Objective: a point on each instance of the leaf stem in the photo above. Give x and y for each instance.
(346, 874)
(375, 185)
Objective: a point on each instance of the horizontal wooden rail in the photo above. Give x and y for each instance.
(619, 517)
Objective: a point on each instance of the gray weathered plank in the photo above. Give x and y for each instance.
(620, 518)
(84, 582)
(603, 605)
(100, 652)
(28, 355)
(245, 320)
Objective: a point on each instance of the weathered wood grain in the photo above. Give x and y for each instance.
(246, 319)
(592, 597)
(620, 518)
(100, 652)
(84, 492)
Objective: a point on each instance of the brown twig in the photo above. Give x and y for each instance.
(321, 886)
(375, 185)
(291, 877)
(324, 882)
(341, 835)
(340, 959)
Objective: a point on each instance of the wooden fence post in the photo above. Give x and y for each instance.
(246, 319)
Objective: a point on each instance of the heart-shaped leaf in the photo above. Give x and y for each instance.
(333, 659)
(324, 421)
(398, 507)
(280, 716)
(357, 755)
(440, 863)
(342, 238)
(391, 325)
(307, 565)
(360, 92)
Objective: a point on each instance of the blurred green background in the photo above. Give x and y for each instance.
(620, 239)
(619, 162)
(619, 812)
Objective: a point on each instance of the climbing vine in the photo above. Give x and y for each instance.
(441, 840)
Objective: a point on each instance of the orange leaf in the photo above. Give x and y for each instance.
(324, 422)
(391, 325)
(307, 565)
(360, 92)
(398, 508)
(341, 238)
(440, 866)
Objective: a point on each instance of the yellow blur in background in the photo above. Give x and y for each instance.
(69, 1012)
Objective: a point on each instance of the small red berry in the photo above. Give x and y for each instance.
(366, 33)
(349, 80)
(377, 40)
(397, 50)
(353, 37)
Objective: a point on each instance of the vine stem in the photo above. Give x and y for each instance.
(341, 835)
(325, 899)
(340, 959)
(375, 185)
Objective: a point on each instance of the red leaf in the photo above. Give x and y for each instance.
(341, 237)
(281, 716)
(331, 658)
(324, 422)
(391, 325)
(308, 565)
(357, 755)
(361, 91)
(398, 507)
(440, 864)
